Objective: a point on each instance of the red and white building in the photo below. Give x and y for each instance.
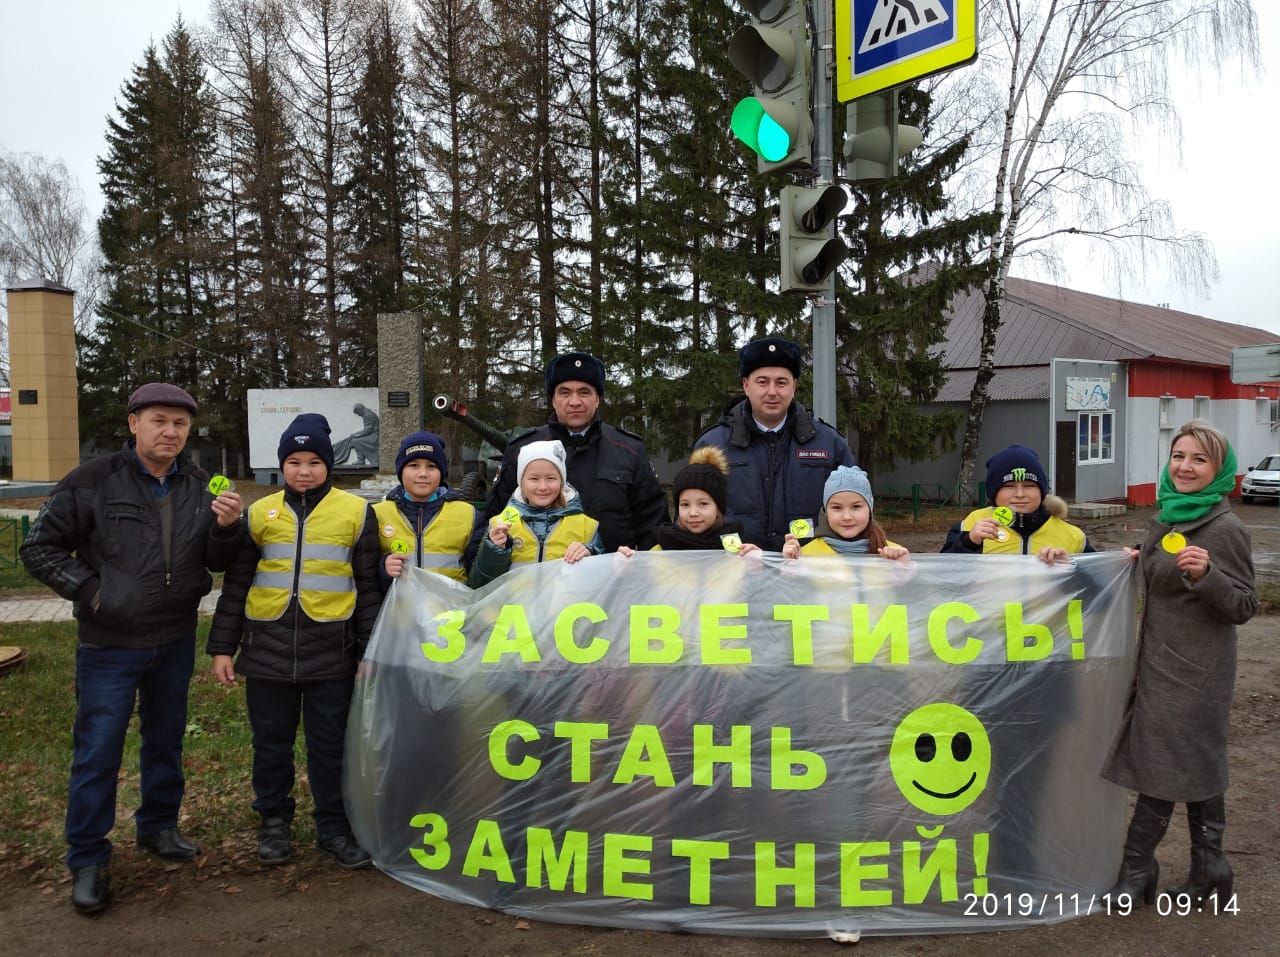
(1098, 387)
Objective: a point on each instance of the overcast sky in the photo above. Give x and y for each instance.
(62, 64)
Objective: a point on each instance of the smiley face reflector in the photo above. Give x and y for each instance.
(940, 758)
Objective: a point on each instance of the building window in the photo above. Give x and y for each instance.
(1262, 411)
(1202, 407)
(1166, 411)
(1095, 432)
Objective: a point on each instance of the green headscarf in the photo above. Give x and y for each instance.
(1178, 506)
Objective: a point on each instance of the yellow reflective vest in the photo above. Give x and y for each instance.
(1054, 532)
(325, 584)
(439, 549)
(525, 546)
(819, 546)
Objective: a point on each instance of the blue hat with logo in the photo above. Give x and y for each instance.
(308, 432)
(1017, 463)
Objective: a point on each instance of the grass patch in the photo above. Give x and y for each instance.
(1269, 598)
(37, 710)
(932, 519)
(14, 578)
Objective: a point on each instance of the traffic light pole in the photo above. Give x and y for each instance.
(823, 312)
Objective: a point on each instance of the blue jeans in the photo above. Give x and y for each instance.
(275, 708)
(108, 683)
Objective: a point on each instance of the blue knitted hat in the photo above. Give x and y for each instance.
(848, 478)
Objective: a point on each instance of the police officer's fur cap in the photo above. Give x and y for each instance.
(769, 352)
(576, 367)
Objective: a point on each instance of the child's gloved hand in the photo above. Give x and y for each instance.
(982, 530)
(791, 547)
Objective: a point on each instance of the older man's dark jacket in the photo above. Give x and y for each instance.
(775, 477)
(611, 471)
(99, 536)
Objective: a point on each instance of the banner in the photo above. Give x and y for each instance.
(703, 742)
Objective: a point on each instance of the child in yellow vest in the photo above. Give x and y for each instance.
(542, 522)
(846, 525)
(419, 524)
(298, 604)
(1022, 518)
(701, 491)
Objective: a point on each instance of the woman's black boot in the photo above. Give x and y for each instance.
(1139, 875)
(1210, 869)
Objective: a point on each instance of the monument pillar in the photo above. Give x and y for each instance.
(42, 379)
(401, 385)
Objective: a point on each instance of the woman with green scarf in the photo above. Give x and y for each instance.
(1197, 568)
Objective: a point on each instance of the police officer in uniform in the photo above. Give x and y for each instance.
(779, 454)
(608, 466)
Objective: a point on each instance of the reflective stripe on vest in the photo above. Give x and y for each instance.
(443, 541)
(1054, 532)
(570, 529)
(325, 584)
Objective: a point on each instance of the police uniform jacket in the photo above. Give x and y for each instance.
(775, 477)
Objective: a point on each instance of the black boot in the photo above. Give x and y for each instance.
(1210, 869)
(91, 889)
(1139, 875)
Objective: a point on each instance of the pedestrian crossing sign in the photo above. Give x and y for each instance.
(881, 44)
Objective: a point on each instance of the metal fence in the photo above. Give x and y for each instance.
(13, 531)
(921, 496)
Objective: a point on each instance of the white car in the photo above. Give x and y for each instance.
(1262, 481)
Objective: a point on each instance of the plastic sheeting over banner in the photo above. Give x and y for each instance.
(702, 742)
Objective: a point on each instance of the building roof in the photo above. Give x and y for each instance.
(1008, 384)
(48, 285)
(1044, 322)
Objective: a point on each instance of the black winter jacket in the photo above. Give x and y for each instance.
(99, 535)
(611, 471)
(294, 647)
(775, 477)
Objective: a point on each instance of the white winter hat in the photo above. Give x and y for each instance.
(551, 451)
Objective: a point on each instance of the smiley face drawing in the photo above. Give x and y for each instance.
(940, 758)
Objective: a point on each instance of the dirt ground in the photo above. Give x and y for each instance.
(230, 904)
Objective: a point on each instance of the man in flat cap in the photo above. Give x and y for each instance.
(130, 538)
(779, 454)
(608, 466)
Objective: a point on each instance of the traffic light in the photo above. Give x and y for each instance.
(773, 53)
(809, 252)
(874, 139)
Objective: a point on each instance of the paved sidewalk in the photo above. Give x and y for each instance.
(52, 608)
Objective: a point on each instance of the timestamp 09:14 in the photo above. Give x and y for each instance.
(1078, 905)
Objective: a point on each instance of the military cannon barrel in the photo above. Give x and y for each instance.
(451, 408)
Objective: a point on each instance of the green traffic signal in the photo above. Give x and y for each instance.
(752, 124)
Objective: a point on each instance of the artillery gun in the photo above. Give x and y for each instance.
(477, 473)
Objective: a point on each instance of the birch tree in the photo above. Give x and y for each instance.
(1074, 81)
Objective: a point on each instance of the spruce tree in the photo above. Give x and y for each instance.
(908, 259)
(379, 195)
(157, 236)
